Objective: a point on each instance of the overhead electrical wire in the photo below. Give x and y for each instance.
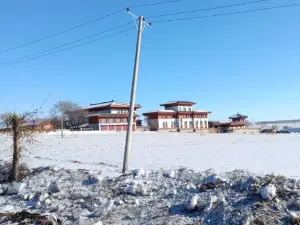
(50, 51)
(61, 32)
(207, 9)
(157, 3)
(84, 24)
(75, 46)
(225, 14)
(64, 45)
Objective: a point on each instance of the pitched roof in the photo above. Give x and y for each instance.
(238, 115)
(177, 102)
(109, 103)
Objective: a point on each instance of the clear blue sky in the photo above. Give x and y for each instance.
(248, 63)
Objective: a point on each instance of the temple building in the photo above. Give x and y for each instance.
(238, 121)
(177, 115)
(109, 116)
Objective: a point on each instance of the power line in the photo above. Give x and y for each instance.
(62, 32)
(75, 46)
(84, 24)
(225, 14)
(207, 9)
(157, 3)
(60, 46)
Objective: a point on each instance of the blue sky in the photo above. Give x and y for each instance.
(246, 63)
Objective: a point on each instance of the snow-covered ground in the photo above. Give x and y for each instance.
(152, 150)
(168, 194)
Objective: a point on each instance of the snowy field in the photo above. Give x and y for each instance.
(96, 151)
(55, 191)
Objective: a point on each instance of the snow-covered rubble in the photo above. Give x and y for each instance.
(180, 196)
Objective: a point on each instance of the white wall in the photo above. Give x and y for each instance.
(117, 111)
(204, 122)
(158, 123)
(169, 122)
(188, 120)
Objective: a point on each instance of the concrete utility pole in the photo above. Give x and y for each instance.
(62, 125)
(61, 119)
(133, 90)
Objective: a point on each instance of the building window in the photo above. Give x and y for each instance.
(110, 120)
(201, 124)
(184, 109)
(179, 108)
(103, 120)
(185, 124)
(190, 109)
(191, 124)
(118, 120)
(125, 120)
(165, 124)
(197, 124)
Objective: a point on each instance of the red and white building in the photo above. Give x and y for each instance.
(177, 115)
(238, 121)
(109, 116)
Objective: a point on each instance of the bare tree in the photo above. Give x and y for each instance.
(4, 120)
(21, 130)
(61, 108)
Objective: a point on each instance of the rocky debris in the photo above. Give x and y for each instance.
(103, 210)
(54, 187)
(93, 179)
(297, 203)
(25, 217)
(98, 223)
(14, 188)
(180, 196)
(268, 192)
(138, 172)
(7, 208)
(43, 197)
(211, 202)
(136, 188)
(170, 174)
(191, 203)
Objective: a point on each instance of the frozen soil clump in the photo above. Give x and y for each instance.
(180, 196)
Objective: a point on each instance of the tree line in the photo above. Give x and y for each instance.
(70, 112)
(18, 127)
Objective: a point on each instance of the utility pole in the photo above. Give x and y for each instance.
(62, 125)
(133, 89)
(62, 108)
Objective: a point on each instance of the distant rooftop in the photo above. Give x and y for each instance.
(109, 103)
(178, 103)
(238, 115)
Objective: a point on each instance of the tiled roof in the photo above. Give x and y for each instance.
(109, 103)
(238, 115)
(177, 102)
